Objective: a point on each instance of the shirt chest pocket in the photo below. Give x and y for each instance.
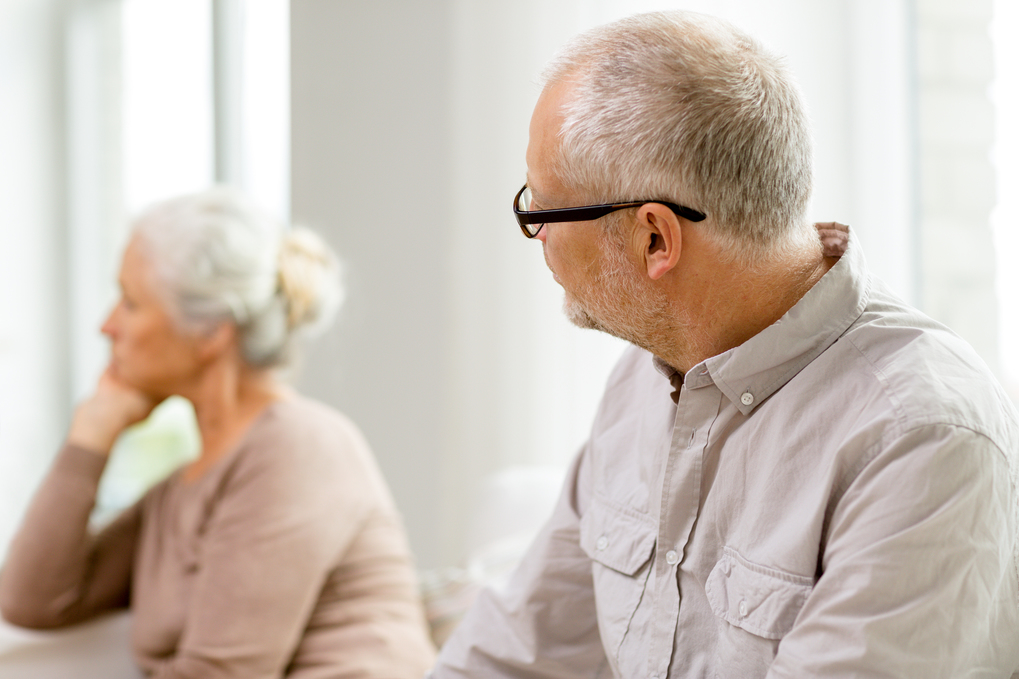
(620, 545)
(760, 600)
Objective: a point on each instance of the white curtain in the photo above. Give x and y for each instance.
(33, 256)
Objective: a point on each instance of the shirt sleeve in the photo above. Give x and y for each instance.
(918, 573)
(543, 625)
(57, 573)
(276, 530)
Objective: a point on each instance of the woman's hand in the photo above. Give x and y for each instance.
(109, 410)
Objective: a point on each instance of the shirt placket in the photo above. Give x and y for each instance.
(678, 511)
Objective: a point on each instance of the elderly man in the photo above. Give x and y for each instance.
(792, 473)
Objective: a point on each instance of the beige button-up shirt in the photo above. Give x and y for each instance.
(834, 498)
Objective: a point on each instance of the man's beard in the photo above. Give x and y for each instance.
(618, 301)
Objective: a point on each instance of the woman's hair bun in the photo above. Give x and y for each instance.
(309, 279)
(219, 258)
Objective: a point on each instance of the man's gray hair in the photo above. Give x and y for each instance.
(217, 258)
(684, 107)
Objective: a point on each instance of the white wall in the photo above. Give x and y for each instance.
(371, 170)
(409, 130)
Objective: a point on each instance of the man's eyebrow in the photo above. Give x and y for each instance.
(536, 196)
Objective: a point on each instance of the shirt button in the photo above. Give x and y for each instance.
(743, 609)
(602, 543)
(747, 398)
(671, 557)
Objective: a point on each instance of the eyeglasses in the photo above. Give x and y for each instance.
(531, 221)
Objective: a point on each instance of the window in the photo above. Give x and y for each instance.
(1005, 217)
(165, 98)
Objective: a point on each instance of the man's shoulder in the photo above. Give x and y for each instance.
(914, 371)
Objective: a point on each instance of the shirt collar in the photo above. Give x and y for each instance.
(750, 373)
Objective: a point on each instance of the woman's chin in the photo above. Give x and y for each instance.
(129, 380)
(116, 371)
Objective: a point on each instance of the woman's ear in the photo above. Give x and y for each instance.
(659, 238)
(217, 341)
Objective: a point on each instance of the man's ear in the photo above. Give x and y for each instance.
(660, 238)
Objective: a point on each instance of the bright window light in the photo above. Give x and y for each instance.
(266, 104)
(167, 99)
(1005, 217)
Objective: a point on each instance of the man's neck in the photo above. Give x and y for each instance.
(728, 305)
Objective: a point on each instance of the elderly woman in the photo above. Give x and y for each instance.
(278, 551)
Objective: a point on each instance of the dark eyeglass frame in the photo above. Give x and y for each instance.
(586, 213)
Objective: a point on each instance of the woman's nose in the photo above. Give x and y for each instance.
(108, 326)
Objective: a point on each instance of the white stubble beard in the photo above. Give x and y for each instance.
(618, 301)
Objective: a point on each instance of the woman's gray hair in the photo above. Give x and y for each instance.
(684, 107)
(217, 258)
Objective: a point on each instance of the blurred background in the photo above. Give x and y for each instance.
(397, 129)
